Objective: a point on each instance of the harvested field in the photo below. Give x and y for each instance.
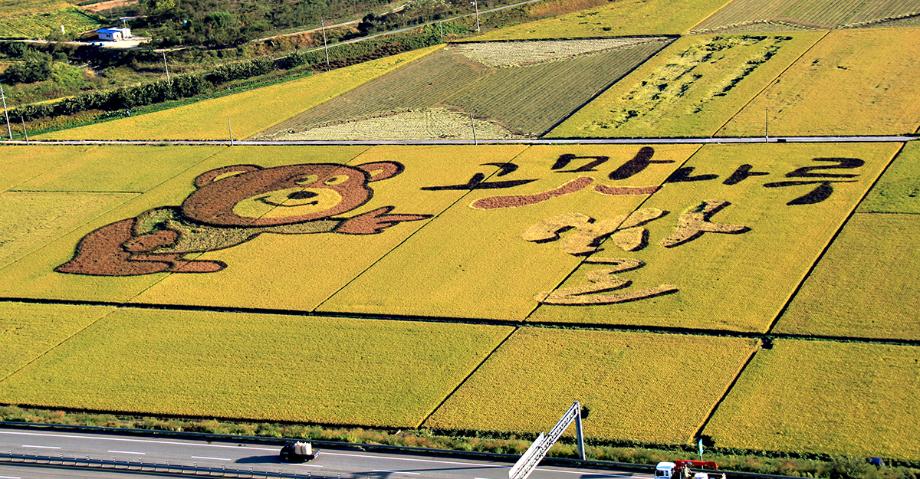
(772, 15)
(335, 371)
(745, 224)
(865, 286)
(503, 90)
(617, 18)
(898, 190)
(827, 397)
(38, 18)
(248, 112)
(627, 380)
(462, 248)
(29, 330)
(431, 123)
(853, 82)
(689, 89)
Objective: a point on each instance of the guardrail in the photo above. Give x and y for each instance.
(142, 467)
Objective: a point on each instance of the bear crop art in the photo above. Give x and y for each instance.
(231, 206)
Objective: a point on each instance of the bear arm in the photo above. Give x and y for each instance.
(307, 227)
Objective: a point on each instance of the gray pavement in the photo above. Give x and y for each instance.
(258, 457)
(513, 141)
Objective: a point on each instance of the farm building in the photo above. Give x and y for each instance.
(114, 34)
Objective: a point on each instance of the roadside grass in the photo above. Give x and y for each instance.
(473, 262)
(736, 282)
(634, 384)
(497, 86)
(691, 88)
(898, 190)
(821, 14)
(616, 18)
(865, 286)
(244, 113)
(827, 397)
(29, 330)
(322, 370)
(853, 82)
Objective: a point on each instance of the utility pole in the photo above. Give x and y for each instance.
(473, 126)
(230, 131)
(166, 66)
(6, 114)
(325, 45)
(766, 125)
(476, 6)
(25, 132)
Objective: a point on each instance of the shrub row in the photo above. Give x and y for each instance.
(193, 84)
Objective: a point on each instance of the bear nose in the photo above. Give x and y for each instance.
(301, 195)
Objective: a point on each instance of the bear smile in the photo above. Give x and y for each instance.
(267, 201)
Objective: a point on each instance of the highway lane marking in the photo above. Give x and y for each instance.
(129, 452)
(251, 448)
(310, 465)
(10, 477)
(39, 447)
(148, 441)
(396, 472)
(206, 458)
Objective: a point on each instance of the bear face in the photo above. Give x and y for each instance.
(252, 196)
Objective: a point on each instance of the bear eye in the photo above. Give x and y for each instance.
(336, 180)
(306, 179)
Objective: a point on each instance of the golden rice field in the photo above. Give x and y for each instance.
(853, 82)
(617, 18)
(865, 284)
(793, 14)
(27, 331)
(898, 191)
(828, 397)
(631, 382)
(244, 113)
(691, 88)
(665, 237)
(730, 281)
(335, 371)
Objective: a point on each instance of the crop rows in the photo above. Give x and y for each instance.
(818, 14)
(453, 79)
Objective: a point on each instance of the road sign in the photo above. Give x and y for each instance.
(538, 450)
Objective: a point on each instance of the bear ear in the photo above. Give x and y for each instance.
(218, 174)
(381, 170)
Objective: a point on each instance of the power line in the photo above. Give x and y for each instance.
(6, 113)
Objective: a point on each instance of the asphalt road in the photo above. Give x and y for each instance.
(259, 457)
(513, 141)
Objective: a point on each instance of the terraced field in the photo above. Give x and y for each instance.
(749, 15)
(512, 87)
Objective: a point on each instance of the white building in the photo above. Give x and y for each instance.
(114, 34)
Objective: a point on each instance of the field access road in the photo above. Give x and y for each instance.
(512, 141)
(260, 457)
